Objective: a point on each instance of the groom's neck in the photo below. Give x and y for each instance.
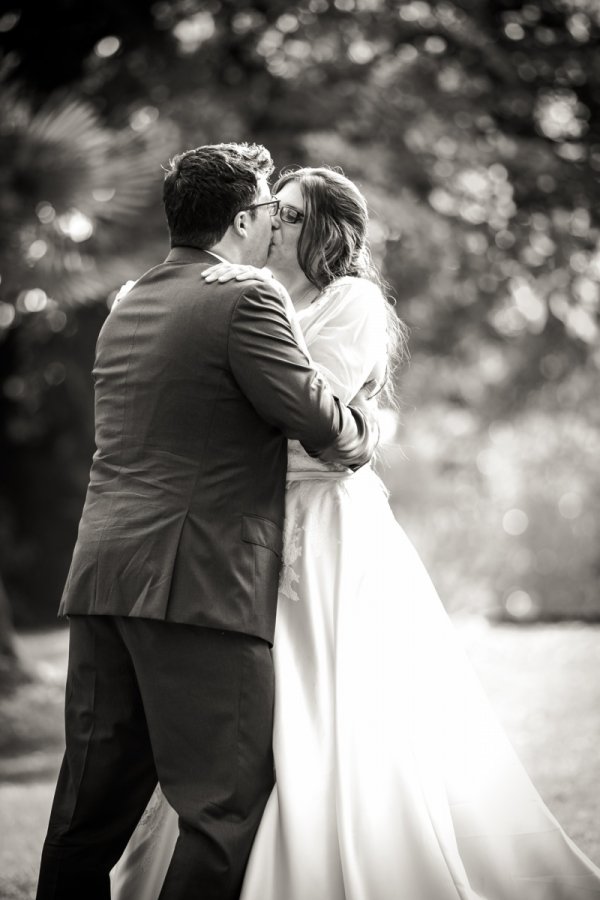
(221, 250)
(230, 251)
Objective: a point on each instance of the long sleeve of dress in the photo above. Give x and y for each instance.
(347, 337)
(278, 379)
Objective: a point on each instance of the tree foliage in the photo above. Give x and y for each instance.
(472, 127)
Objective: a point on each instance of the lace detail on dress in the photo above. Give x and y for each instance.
(140, 872)
(151, 823)
(292, 551)
(304, 472)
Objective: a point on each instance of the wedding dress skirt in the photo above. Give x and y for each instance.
(394, 779)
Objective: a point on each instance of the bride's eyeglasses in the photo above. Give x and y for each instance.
(290, 214)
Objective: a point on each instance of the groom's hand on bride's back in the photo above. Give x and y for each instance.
(361, 450)
(365, 398)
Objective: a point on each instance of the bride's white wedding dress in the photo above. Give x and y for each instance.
(394, 779)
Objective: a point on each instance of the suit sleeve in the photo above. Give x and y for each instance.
(284, 387)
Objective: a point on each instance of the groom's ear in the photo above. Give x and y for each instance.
(240, 224)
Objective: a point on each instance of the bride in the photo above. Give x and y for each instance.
(394, 779)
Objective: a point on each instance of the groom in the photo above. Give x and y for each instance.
(172, 590)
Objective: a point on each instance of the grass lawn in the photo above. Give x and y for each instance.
(542, 680)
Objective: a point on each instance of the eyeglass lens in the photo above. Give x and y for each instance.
(290, 215)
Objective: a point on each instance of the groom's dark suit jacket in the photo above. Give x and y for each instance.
(197, 387)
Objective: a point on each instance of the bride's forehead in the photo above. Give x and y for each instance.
(291, 193)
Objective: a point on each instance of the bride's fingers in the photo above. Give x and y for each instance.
(216, 272)
(224, 272)
(227, 275)
(124, 290)
(227, 272)
(250, 274)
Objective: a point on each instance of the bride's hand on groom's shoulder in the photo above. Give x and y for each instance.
(223, 272)
(123, 291)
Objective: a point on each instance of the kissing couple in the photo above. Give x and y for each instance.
(250, 628)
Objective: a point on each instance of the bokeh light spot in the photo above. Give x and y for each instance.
(142, 118)
(192, 32)
(417, 11)
(287, 23)
(37, 250)
(107, 46)
(103, 195)
(514, 31)
(9, 20)
(520, 605)
(54, 373)
(361, 52)
(14, 387)
(45, 213)
(570, 505)
(435, 45)
(57, 320)
(76, 225)
(579, 26)
(515, 522)
(35, 300)
(7, 315)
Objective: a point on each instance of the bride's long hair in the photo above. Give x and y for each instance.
(333, 244)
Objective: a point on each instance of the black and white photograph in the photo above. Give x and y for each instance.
(300, 450)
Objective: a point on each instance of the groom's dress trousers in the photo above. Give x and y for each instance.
(173, 585)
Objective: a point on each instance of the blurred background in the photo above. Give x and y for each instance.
(473, 128)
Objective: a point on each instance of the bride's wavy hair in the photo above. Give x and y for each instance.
(333, 244)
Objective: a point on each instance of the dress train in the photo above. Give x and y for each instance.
(394, 779)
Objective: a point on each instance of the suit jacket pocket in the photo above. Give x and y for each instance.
(263, 533)
(266, 538)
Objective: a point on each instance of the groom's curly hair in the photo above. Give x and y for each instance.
(206, 187)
